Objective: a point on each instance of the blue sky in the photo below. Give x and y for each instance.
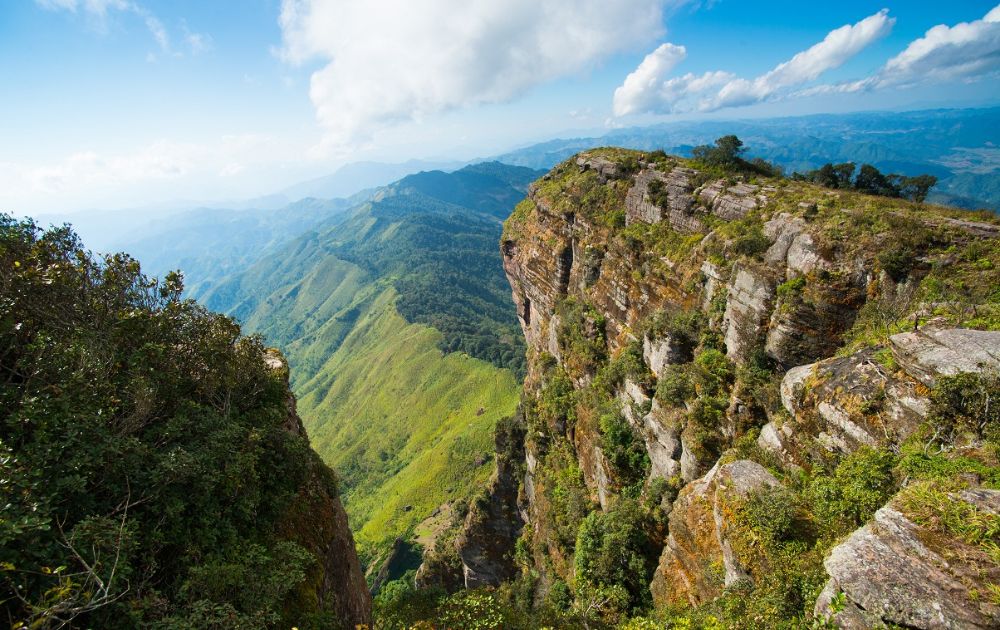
(117, 103)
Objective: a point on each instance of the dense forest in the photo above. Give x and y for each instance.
(148, 462)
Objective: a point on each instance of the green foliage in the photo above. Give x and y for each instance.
(967, 403)
(389, 412)
(624, 449)
(613, 550)
(581, 336)
(399, 605)
(897, 261)
(568, 494)
(726, 152)
(861, 484)
(933, 505)
(628, 365)
(658, 193)
(682, 326)
(556, 401)
(147, 469)
(725, 156)
(752, 242)
(713, 372)
(870, 180)
(675, 386)
(791, 289)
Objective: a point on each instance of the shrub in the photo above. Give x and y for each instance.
(613, 550)
(675, 386)
(861, 484)
(752, 242)
(624, 449)
(967, 403)
(897, 262)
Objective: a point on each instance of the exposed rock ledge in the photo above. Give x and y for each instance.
(893, 571)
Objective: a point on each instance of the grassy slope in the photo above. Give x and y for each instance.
(399, 420)
(394, 416)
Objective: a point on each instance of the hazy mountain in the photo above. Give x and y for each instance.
(960, 146)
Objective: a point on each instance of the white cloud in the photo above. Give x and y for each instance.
(968, 51)
(641, 90)
(945, 53)
(402, 60)
(97, 11)
(648, 89)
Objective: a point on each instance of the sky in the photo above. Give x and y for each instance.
(137, 103)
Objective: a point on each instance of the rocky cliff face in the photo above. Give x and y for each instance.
(316, 520)
(696, 340)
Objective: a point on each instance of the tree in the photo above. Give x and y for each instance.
(726, 152)
(871, 181)
(916, 188)
(729, 149)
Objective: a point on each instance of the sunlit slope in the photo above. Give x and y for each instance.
(380, 316)
(406, 426)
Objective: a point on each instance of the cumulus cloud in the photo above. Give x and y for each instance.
(642, 89)
(968, 51)
(944, 53)
(648, 89)
(400, 60)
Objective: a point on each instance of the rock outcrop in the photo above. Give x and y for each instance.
(925, 355)
(678, 302)
(698, 560)
(486, 544)
(894, 571)
(839, 405)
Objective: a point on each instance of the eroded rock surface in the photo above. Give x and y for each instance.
(925, 355)
(893, 571)
(700, 536)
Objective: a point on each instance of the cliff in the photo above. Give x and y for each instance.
(315, 519)
(728, 374)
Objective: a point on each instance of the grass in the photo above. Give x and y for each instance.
(405, 426)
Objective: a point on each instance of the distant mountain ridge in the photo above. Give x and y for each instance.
(959, 146)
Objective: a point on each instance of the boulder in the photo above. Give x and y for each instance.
(925, 355)
(838, 405)
(893, 571)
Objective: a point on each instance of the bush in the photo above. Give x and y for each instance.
(614, 550)
(897, 262)
(624, 449)
(967, 403)
(675, 386)
(861, 484)
(753, 242)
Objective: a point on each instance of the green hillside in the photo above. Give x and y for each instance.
(404, 346)
(402, 423)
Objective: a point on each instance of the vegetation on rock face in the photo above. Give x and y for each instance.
(147, 462)
(611, 445)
